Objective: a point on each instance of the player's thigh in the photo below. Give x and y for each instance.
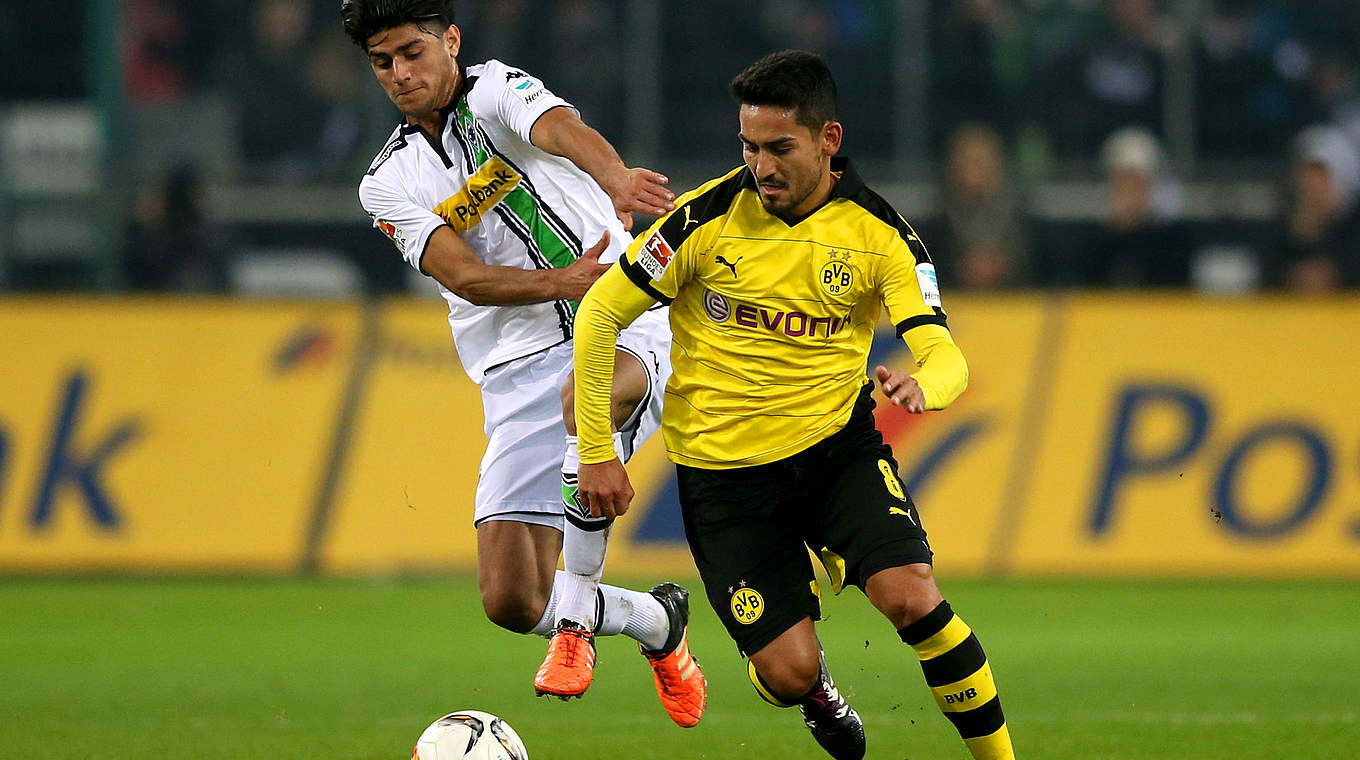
(869, 522)
(743, 531)
(520, 473)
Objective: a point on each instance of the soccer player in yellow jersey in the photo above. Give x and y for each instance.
(776, 274)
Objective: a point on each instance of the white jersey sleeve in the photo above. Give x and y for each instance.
(395, 213)
(512, 97)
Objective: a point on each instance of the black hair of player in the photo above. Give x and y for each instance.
(794, 79)
(365, 18)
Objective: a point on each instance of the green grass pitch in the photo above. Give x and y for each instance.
(139, 668)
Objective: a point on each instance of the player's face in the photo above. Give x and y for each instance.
(791, 162)
(417, 68)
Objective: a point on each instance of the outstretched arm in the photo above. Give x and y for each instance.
(454, 264)
(941, 372)
(613, 304)
(562, 133)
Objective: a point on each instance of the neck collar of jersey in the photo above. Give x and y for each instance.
(848, 185)
(463, 86)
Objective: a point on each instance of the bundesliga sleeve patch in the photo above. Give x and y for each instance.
(393, 233)
(655, 256)
(930, 286)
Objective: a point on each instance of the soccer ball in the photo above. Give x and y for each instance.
(471, 735)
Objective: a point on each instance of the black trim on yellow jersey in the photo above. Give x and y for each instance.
(848, 185)
(922, 319)
(702, 209)
(640, 278)
(852, 188)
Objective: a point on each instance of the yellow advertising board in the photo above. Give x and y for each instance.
(1197, 437)
(404, 501)
(160, 434)
(1100, 435)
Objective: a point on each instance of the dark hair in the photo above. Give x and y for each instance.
(365, 18)
(793, 79)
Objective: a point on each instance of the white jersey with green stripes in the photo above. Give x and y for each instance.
(514, 204)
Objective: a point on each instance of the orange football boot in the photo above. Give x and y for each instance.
(570, 665)
(679, 681)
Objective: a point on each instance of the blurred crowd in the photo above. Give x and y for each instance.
(1138, 99)
(1271, 86)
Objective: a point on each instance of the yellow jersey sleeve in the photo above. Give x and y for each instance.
(611, 304)
(941, 369)
(911, 295)
(653, 269)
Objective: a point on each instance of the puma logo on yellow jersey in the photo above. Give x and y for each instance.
(903, 512)
(688, 220)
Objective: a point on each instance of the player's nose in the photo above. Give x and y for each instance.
(765, 168)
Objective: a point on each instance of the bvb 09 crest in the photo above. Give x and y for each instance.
(837, 275)
(747, 605)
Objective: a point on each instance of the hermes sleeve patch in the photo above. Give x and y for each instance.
(528, 90)
(930, 286)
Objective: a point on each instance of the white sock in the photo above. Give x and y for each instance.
(607, 610)
(549, 619)
(635, 614)
(585, 541)
(583, 553)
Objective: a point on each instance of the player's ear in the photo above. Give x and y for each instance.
(832, 133)
(453, 40)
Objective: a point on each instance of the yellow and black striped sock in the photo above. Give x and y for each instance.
(958, 675)
(764, 690)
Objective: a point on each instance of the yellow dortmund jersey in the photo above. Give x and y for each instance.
(772, 321)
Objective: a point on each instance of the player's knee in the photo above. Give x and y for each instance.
(569, 405)
(622, 405)
(629, 388)
(790, 679)
(910, 596)
(512, 609)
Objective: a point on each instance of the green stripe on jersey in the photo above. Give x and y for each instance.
(522, 203)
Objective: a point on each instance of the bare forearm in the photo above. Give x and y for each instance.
(450, 261)
(500, 286)
(567, 136)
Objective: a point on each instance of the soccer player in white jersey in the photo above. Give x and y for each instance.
(493, 186)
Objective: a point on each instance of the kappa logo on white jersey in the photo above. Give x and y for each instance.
(655, 255)
(391, 147)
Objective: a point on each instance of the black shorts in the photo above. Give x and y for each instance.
(750, 528)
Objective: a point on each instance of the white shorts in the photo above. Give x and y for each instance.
(521, 473)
